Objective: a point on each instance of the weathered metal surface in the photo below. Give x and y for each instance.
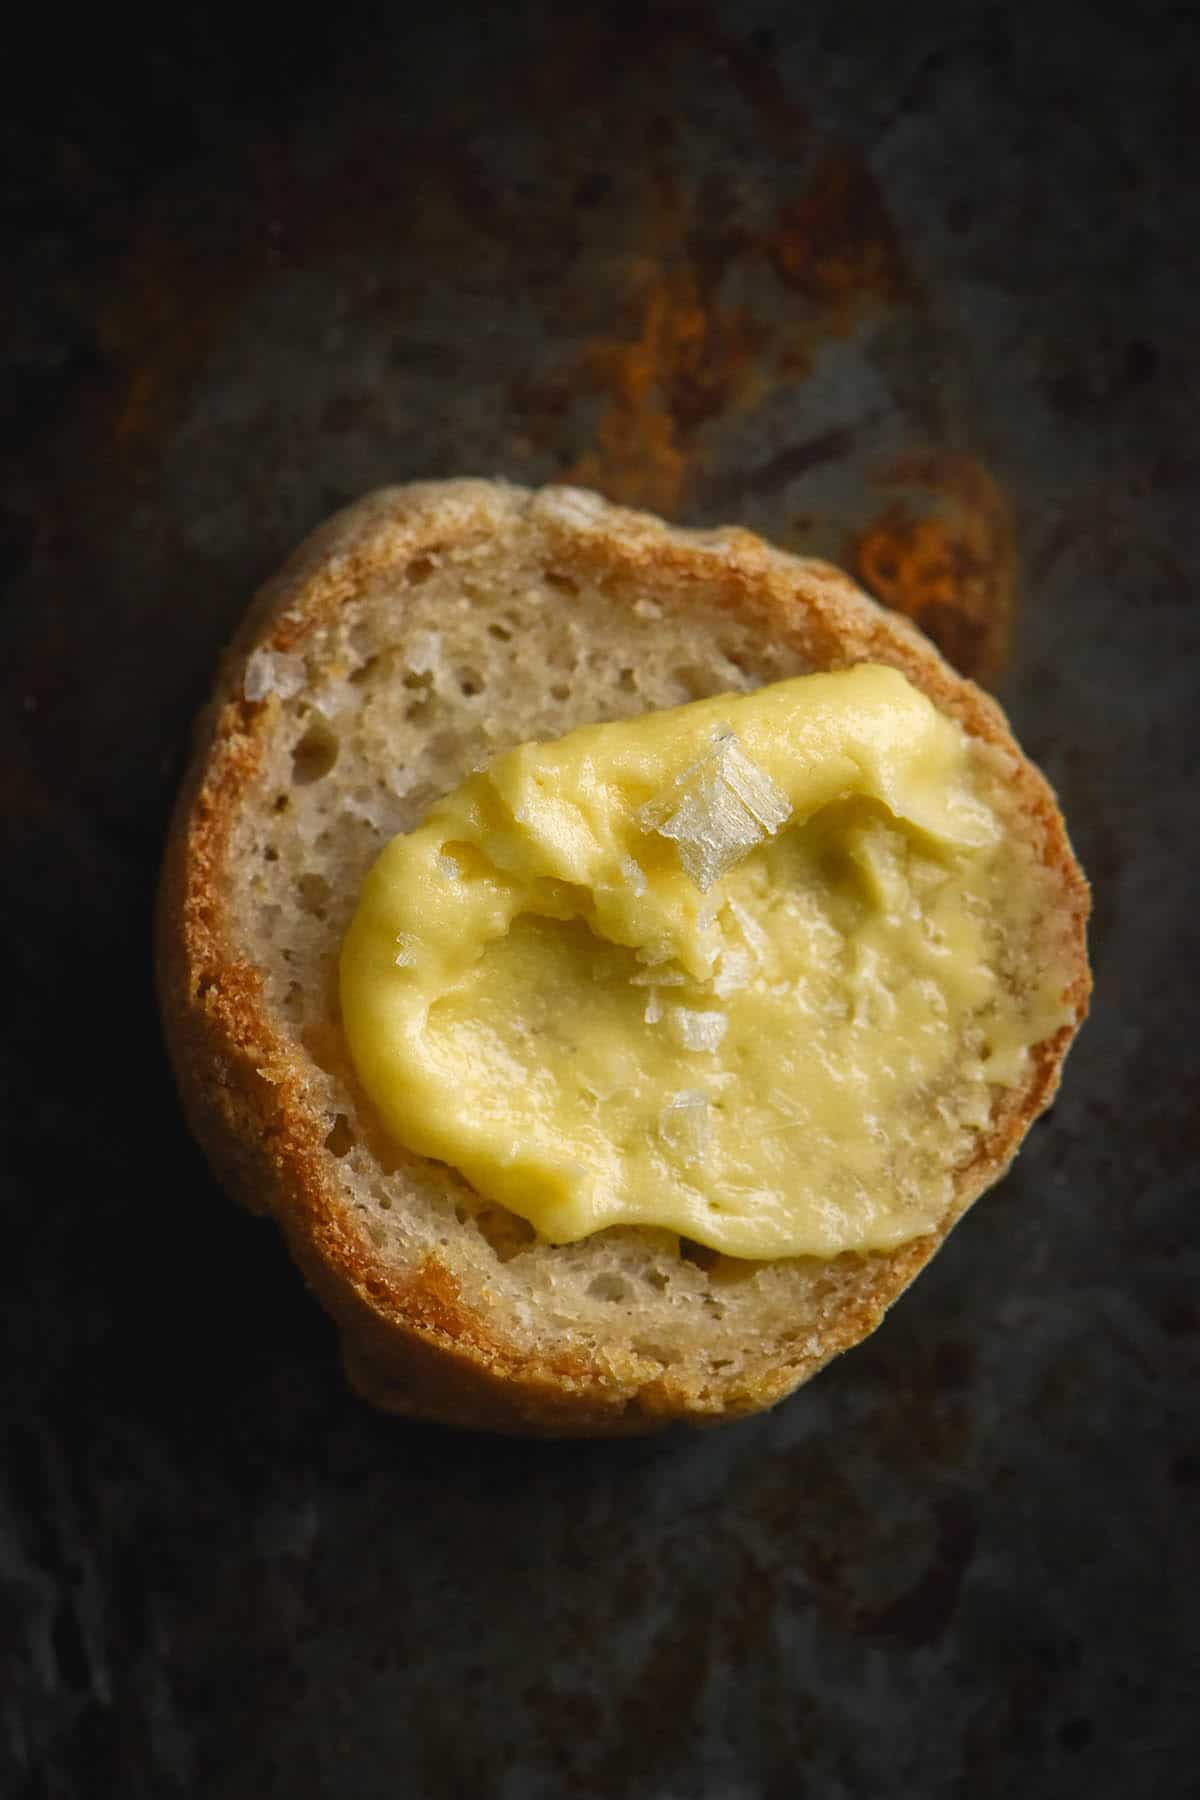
(907, 289)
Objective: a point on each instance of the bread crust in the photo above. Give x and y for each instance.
(413, 1341)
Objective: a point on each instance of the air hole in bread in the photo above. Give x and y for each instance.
(700, 1254)
(505, 1232)
(470, 682)
(270, 853)
(364, 670)
(315, 754)
(609, 1287)
(735, 654)
(323, 1044)
(560, 690)
(315, 895)
(732, 1271)
(695, 681)
(281, 803)
(418, 570)
(340, 1140)
(500, 632)
(563, 653)
(627, 681)
(562, 584)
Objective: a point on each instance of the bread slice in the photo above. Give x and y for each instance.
(410, 637)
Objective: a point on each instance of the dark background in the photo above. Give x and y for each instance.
(916, 286)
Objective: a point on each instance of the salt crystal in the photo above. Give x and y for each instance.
(751, 930)
(406, 950)
(654, 1007)
(273, 672)
(733, 973)
(766, 804)
(717, 810)
(695, 1030)
(447, 867)
(658, 976)
(634, 874)
(684, 1124)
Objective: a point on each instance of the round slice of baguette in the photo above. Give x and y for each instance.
(408, 639)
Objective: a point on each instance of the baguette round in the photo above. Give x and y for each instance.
(413, 635)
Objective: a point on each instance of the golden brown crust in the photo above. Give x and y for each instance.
(414, 1343)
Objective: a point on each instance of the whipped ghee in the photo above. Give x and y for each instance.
(726, 969)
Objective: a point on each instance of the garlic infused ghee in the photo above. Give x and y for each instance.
(731, 969)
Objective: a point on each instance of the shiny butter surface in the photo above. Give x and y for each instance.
(769, 1038)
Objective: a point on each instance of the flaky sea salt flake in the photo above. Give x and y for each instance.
(658, 976)
(717, 810)
(694, 1029)
(634, 876)
(684, 1125)
(756, 938)
(734, 972)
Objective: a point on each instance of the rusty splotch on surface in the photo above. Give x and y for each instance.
(944, 553)
(685, 357)
(838, 242)
(690, 355)
(672, 302)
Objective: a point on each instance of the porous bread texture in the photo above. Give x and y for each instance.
(413, 637)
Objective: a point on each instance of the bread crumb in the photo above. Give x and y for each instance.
(423, 653)
(273, 672)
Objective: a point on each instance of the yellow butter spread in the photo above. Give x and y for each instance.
(727, 969)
